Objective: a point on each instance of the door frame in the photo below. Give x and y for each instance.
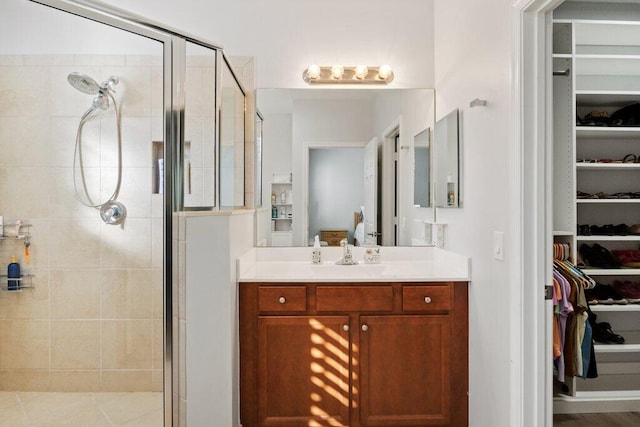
(390, 184)
(531, 189)
(306, 147)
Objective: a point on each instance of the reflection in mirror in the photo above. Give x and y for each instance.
(422, 169)
(258, 159)
(231, 141)
(199, 127)
(303, 126)
(447, 175)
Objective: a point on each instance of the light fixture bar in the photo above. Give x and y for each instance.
(360, 74)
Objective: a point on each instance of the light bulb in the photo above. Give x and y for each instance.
(313, 71)
(337, 71)
(361, 72)
(384, 72)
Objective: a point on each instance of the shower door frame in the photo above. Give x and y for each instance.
(174, 63)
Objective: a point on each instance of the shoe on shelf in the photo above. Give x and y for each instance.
(605, 294)
(621, 230)
(605, 230)
(604, 334)
(598, 256)
(584, 230)
(583, 195)
(596, 118)
(631, 291)
(629, 258)
(634, 229)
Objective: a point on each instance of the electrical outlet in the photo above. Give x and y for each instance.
(439, 240)
(498, 245)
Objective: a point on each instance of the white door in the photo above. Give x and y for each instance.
(371, 190)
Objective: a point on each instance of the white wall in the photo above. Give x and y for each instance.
(24, 23)
(472, 60)
(209, 381)
(286, 36)
(336, 179)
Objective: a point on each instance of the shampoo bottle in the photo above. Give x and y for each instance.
(13, 273)
(316, 256)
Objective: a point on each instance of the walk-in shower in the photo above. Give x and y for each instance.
(111, 211)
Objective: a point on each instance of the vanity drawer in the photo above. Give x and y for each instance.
(427, 298)
(282, 298)
(333, 237)
(332, 241)
(354, 298)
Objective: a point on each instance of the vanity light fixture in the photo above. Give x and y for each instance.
(361, 72)
(339, 74)
(337, 71)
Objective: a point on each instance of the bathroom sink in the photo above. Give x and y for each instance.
(347, 271)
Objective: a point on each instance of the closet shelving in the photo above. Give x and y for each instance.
(281, 211)
(603, 63)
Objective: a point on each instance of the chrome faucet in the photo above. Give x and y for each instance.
(347, 255)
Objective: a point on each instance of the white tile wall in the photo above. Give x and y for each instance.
(93, 320)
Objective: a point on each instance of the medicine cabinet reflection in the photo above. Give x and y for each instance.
(422, 169)
(447, 162)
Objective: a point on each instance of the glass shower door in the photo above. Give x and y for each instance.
(82, 128)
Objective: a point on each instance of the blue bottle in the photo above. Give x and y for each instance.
(274, 212)
(13, 272)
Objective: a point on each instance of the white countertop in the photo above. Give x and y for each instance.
(406, 264)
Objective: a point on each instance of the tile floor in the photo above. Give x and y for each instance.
(29, 409)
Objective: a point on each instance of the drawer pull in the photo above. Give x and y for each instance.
(427, 300)
(345, 328)
(282, 300)
(365, 328)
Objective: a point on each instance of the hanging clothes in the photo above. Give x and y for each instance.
(572, 335)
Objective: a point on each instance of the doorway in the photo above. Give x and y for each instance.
(535, 131)
(335, 190)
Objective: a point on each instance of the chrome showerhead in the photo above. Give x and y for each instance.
(83, 83)
(110, 83)
(101, 101)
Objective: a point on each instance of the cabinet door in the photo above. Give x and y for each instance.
(303, 366)
(404, 370)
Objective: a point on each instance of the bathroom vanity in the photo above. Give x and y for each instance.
(365, 345)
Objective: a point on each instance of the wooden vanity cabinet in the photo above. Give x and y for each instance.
(359, 355)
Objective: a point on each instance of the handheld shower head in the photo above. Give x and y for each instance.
(101, 101)
(83, 83)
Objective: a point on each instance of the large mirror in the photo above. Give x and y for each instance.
(422, 169)
(447, 164)
(337, 158)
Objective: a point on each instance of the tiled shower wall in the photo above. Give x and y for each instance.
(93, 320)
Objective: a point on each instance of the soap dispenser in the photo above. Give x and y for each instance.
(13, 272)
(316, 257)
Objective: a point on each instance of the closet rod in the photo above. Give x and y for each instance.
(562, 72)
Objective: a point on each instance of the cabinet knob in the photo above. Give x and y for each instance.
(365, 328)
(427, 299)
(282, 300)
(345, 328)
